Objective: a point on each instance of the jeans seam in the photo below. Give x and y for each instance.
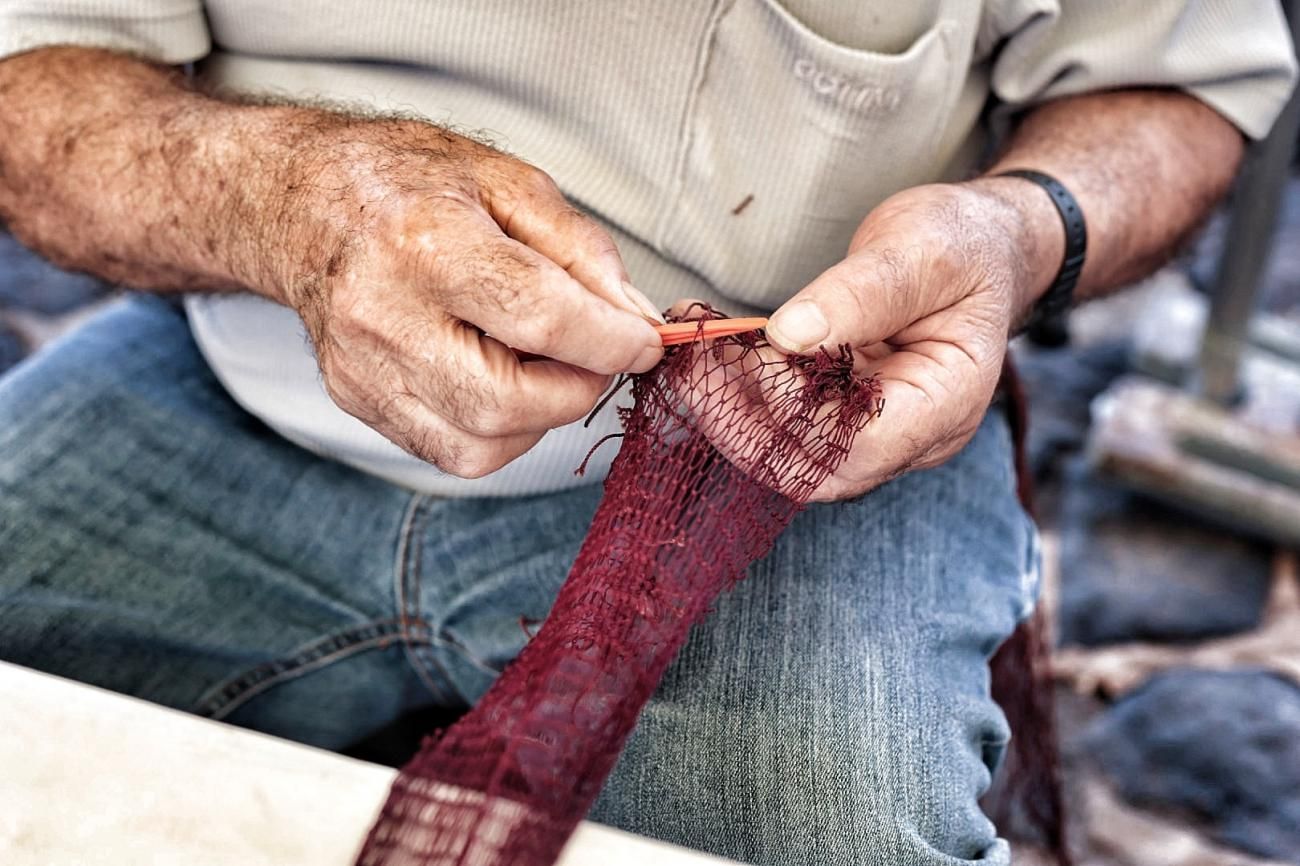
(229, 694)
(406, 592)
(447, 640)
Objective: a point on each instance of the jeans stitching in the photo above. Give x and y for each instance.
(417, 633)
(445, 639)
(226, 696)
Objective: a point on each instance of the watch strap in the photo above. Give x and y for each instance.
(1047, 321)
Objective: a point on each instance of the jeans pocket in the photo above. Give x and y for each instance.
(793, 137)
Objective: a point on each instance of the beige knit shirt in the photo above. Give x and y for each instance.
(663, 117)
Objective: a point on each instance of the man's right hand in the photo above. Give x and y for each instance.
(417, 258)
(457, 302)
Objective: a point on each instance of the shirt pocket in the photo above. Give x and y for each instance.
(790, 139)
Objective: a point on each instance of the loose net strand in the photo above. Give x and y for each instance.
(725, 442)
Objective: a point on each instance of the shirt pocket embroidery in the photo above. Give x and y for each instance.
(792, 139)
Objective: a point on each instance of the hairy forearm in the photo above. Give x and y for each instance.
(1146, 167)
(400, 244)
(117, 167)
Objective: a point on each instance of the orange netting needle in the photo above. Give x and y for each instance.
(687, 332)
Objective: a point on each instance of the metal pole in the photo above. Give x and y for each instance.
(1247, 245)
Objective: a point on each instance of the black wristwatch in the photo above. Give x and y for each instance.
(1047, 323)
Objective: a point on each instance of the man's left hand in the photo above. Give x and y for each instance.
(935, 279)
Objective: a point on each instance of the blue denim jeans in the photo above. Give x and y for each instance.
(157, 540)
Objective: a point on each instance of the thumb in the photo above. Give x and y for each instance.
(866, 298)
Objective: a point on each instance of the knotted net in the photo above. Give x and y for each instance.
(726, 440)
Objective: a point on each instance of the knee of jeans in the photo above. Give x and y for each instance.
(935, 820)
(781, 786)
(895, 802)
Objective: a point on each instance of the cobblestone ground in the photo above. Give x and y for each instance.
(1167, 764)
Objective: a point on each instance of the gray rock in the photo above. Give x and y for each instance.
(1133, 569)
(28, 282)
(1221, 748)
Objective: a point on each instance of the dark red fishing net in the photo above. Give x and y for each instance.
(727, 439)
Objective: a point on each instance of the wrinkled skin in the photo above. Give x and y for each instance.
(465, 307)
(930, 290)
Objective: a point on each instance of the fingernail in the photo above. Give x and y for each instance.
(799, 326)
(642, 303)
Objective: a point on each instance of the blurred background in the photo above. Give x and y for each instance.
(1164, 436)
(1168, 466)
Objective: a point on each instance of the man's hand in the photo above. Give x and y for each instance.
(458, 304)
(934, 281)
(938, 276)
(417, 258)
